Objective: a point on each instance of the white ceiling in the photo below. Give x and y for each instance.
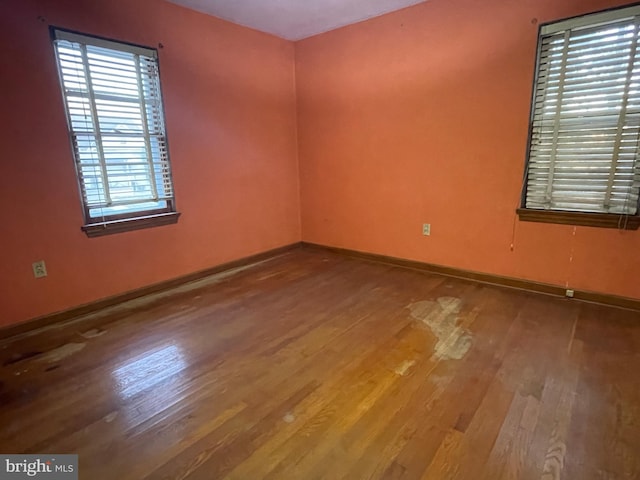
(295, 19)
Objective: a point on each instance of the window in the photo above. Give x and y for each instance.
(582, 165)
(114, 111)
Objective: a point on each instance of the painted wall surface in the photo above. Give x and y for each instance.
(417, 116)
(421, 116)
(229, 97)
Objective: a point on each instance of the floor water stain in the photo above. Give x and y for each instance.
(111, 417)
(148, 299)
(442, 318)
(61, 352)
(554, 459)
(94, 332)
(404, 367)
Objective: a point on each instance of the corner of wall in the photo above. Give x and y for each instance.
(296, 132)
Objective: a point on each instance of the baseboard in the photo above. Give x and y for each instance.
(586, 296)
(65, 315)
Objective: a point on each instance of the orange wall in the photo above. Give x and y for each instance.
(421, 116)
(417, 116)
(230, 109)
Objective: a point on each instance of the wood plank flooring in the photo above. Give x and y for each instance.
(314, 365)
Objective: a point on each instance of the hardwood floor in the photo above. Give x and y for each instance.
(314, 365)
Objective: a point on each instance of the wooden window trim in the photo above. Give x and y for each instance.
(129, 224)
(604, 220)
(170, 208)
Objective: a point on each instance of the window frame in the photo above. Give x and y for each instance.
(127, 221)
(558, 216)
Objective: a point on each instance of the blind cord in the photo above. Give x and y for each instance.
(571, 251)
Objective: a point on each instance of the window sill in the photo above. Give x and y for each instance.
(604, 220)
(127, 225)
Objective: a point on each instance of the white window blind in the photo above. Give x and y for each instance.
(116, 122)
(583, 153)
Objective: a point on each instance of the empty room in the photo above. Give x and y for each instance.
(328, 239)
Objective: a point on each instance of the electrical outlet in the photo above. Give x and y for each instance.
(426, 229)
(39, 269)
(569, 293)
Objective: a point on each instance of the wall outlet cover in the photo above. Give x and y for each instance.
(39, 269)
